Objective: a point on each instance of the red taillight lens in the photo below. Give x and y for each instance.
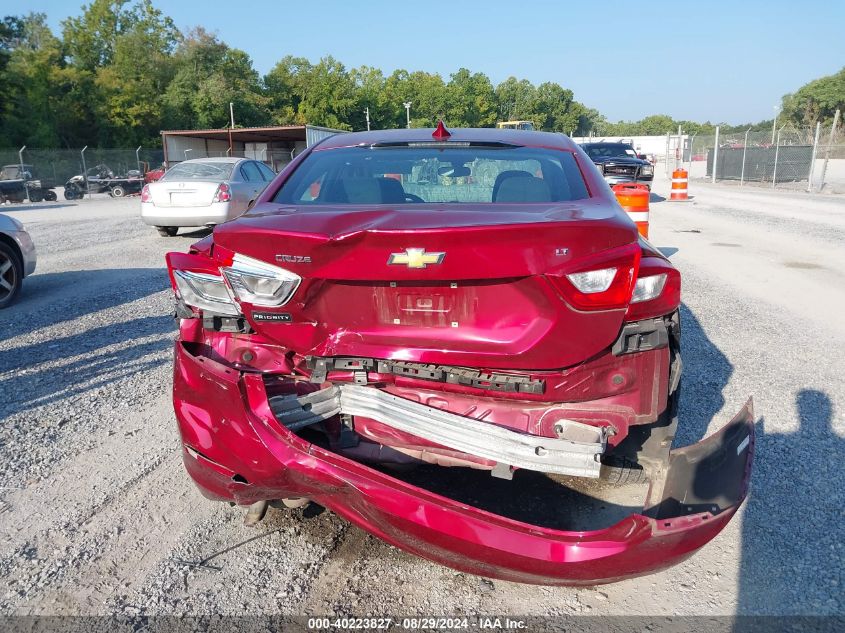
(603, 281)
(145, 194)
(223, 193)
(669, 298)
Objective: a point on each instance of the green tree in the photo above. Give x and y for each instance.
(328, 96)
(517, 100)
(284, 88)
(208, 76)
(471, 100)
(815, 101)
(42, 98)
(90, 39)
(130, 88)
(369, 85)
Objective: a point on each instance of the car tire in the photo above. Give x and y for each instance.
(11, 275)
(72, 193)
(167, 231)
(117, 192)
(647, 446)
(621, 471)
(50, 196)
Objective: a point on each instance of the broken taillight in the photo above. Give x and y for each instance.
(603, 281)
(223, 193)
(653, 298)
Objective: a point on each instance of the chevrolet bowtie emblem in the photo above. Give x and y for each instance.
(416, 258)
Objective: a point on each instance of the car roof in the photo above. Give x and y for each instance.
(478, 135)
(216, 159)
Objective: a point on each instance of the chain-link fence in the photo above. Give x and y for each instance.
(809, 158)
(54, 167)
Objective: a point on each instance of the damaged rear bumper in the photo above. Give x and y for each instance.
(237, 450)
(574, 452)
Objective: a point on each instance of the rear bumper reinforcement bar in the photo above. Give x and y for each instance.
(482, 439)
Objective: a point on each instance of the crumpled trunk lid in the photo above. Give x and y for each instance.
(463, 286)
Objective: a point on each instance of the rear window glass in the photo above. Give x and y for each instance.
(418, 174)
(610, 150)
(199, 171)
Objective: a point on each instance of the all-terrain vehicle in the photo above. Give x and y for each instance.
(101, 179)
(21, 182)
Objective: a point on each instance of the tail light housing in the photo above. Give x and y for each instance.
(204, 284)
(255, 282)
(602, 281)
(223, 193)
(657, 290)
(146, 196)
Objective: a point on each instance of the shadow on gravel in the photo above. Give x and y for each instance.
(792, 553)
(36, 206)
(196, 234)
(706, 372)
(52, 298)
(59, 368)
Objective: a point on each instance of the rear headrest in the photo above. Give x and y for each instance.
(392, 191)
(518, 190)
(503, 176)
(362, 190)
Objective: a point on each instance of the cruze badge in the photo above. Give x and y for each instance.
(293, 259)
(416, 258)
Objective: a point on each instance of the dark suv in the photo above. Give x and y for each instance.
(619, 163)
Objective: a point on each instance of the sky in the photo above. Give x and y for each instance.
(719, 61)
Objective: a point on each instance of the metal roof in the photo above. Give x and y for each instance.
(251, 134)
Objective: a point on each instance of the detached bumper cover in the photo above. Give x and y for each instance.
(235, 449)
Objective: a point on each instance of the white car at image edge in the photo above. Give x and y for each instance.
(203, 192)
(17, 258)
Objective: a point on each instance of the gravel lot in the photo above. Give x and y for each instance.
(98, 517)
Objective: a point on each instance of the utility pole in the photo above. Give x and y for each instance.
(367, 112)
(830, 140)
(715, 155)
(679, 156)
(407, 105)
(231, 115)
(22, 174)
(774, 123)
(813, 158)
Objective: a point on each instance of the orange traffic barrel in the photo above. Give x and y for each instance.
(634, 200)
(680, 181)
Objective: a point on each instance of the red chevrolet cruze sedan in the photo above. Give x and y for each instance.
(457, 341)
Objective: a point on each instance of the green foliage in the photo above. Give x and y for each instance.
(208, 76)
(816, 101)
(122, 72)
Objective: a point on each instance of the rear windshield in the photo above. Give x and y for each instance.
(610, 150)
(199, 171)
(418, 174)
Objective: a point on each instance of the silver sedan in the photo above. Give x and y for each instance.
(17, 258)
(203, 192)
